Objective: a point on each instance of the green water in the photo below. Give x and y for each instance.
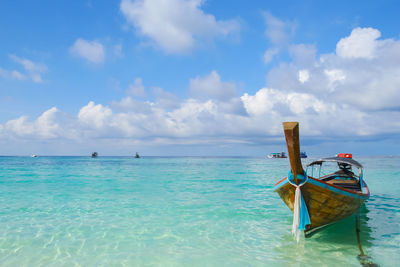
(119, 211)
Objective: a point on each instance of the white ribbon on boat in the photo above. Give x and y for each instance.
(300, 214)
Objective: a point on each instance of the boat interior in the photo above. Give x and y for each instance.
(344, 177)
(351, 183)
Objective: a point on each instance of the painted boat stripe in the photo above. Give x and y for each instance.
(338, 190)
(325, 185)
(280, 184)
(280, 181)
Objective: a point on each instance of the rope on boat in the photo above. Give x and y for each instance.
(301, 218)
(364, 259)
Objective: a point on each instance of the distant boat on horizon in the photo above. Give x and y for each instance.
(95, 155)
(280, 155)
(34, 156)
(137, 155)
(303, 155)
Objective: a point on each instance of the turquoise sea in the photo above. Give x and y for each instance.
(153, 211)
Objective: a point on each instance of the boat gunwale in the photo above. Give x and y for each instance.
(361, 194)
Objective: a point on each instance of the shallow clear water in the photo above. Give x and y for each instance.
(119, 211)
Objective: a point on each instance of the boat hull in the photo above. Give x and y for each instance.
(326, 203)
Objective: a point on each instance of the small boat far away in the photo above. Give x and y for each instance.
(34, 156)
(137, 155)
(281, 155)
(303, 155)
(95, 155)
(319, 201)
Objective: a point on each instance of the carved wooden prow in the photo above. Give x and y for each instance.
(291, 130)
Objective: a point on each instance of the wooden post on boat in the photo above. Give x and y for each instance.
(291, 130)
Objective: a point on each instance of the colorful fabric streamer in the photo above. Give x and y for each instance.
(301, 218)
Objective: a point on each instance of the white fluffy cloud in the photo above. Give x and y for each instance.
(304, 75)
(211, 87)
(360, 44)
(362, 73)
(271, 101)
(331, 95)
(334, 76)
(196, 120)
(92, 51)
(174, 25)
(46, 126)
(95, 116)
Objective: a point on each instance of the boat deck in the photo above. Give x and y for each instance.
(344, 182)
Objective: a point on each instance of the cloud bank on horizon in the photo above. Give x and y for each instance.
(351, 92)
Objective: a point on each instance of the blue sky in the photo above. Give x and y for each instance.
(198, 77)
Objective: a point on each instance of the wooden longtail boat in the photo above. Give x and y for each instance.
(329, 198)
